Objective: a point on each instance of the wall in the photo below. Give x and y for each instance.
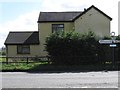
(45, 29)
(94, 21)
(12, 51)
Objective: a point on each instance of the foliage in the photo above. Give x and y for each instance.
(118, 37)
(118, 45)
(19, 66)
(107, 37)
(72, 48)
(35, 67)
(3, 51)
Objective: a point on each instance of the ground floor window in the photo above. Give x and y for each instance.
(23, 49)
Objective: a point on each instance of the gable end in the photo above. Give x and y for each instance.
(95, 9)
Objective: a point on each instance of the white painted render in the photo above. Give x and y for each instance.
(94, 21)
(12, 51)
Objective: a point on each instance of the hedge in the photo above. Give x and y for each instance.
(73, 48)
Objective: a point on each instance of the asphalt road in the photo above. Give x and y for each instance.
(60, 80)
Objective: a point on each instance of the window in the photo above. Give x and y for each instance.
(57, 27)
(23, 49)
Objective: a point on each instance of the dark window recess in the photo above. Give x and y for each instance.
(57, 27)
(23, 49)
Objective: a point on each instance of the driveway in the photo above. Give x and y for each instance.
(60, 80)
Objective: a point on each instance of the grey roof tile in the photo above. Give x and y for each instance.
(65, 16)
(15, 38)
(57, 16)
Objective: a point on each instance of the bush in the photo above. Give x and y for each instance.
(72, 48)
(118, 48)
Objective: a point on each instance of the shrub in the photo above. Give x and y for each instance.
(72, 48)
(118, 48)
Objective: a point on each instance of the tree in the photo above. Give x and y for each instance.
(3, 51)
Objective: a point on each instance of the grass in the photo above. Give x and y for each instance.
(2, 59)
(13, 66)
(45, 67)
(40, 67)
(10, 67)
(19, 66)
(23, 66)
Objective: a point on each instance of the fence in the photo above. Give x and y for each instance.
(27, 60)
(48, 59)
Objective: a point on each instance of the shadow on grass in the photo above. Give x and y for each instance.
(73, 68)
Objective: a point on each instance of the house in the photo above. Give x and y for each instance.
(22, 44)
(32, 43)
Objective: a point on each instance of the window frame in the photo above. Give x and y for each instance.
(57, 27)
(21, 49)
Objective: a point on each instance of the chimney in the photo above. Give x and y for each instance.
(84, 9)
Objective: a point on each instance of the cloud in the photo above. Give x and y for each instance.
(25, 22)
(28, 21)
(62, 5)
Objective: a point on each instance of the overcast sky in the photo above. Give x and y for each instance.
(22, 15)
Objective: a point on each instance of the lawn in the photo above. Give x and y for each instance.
(2, 59)
(19, 66)
(45, 66)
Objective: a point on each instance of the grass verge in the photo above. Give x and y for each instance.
(44, 67)
(18, 66)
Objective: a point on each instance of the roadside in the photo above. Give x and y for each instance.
(60, 80)
(40, 67)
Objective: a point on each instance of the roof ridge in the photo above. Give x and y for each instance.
(94, 8)
(63, 12)
(64, 16)
(22, 31)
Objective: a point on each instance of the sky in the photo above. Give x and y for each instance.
(22, 15)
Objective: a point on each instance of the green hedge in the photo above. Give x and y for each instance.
(73, 49)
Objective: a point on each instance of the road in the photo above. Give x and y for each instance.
(60, 80)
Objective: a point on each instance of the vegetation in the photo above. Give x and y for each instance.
(77, 49)
(37, 67)
(118, 37)
(17, 67)
(3, 51)
(72, 52)
(20, 66)
(118, 49)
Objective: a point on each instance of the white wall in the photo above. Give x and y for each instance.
(94, 21)
(12, 51)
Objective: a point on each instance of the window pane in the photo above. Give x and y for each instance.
(61, 26)
(23, 49)
(26, 49)
(57, 27)
(19, 49)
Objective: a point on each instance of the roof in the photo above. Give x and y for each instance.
(27, 38)
(57, 16)
(65, 16)
(95, 9)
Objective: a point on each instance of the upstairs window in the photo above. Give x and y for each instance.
(57, 27)
(23, 49)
